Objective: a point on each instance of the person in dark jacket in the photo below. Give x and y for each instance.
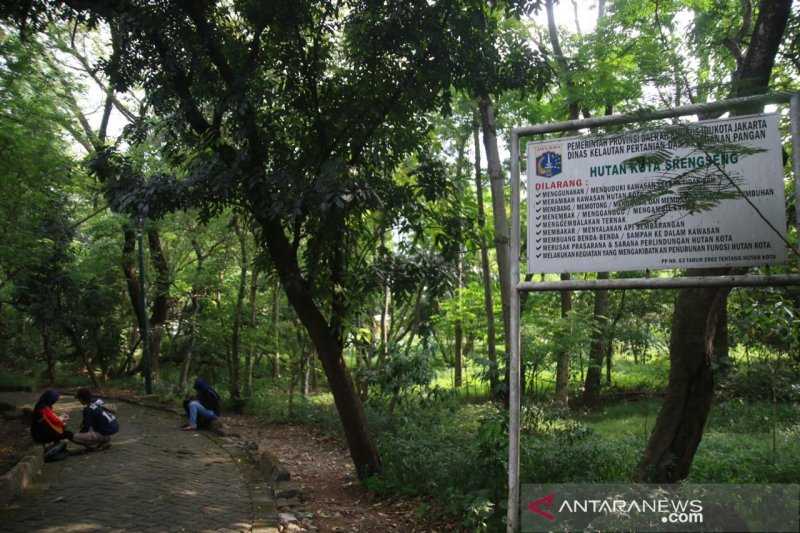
(99, 422)
(48, 428)
(203, 409)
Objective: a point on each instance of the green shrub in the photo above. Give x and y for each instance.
(760, 380)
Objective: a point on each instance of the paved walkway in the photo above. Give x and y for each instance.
(154, 478)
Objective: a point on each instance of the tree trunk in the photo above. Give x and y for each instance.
(131, 277)
(458, 354)
(302, 361)
(501, 228)
(597, 347)
(312, 370)
(486, 275)
(721, 346)
(49, 356)
(160, 307)
(458, 327)
(573, 108)
(601, 9)
(252, 348)
(329, 347)
(573, 105)
(80, 350)
(611, 334)
(194, 311)
(680, 424)
(276, 341)
(385, 307)
(186, 365)
(562, 364)
(235, 387)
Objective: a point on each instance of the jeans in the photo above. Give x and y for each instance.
(90, 438)
(197, 408)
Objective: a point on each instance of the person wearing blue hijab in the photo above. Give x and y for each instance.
(203, 409)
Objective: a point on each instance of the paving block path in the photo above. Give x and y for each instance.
(153, 478)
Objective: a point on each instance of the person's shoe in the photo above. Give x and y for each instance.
(188, 427)
(56, 452)
(103, 446)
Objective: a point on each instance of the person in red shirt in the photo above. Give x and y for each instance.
(47, 427)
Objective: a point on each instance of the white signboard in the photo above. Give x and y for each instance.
(599, 204)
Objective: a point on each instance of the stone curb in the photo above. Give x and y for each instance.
(20, 477)
(14, 482)
(270, 465)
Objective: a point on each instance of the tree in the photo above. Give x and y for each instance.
(681, 421)
(599, 348)
(35, 254)
(488, 306)
(298, 114)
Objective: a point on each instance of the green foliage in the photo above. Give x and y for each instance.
(347, 132)
(764, 380)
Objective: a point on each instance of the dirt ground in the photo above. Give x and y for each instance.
(333, 499)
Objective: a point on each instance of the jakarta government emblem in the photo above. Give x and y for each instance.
(548, 164)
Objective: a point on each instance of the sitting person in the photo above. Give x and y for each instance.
(203, 409)
(48, 428)
(99, 422)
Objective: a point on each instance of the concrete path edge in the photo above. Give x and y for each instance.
(20, 477)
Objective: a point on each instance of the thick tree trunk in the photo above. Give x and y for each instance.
(486, 275)
(755, 69)
(680, 424)
(597, 347)
(329, 348)
(501, 228)
(562, 363)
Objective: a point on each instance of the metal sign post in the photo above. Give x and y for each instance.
(513, 518)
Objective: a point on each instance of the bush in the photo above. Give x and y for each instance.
(761, 379)
(577, 454)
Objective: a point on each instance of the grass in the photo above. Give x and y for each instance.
(744, 442)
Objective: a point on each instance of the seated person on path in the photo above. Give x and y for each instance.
(47, 427)
(203, 409)
(99, 422)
